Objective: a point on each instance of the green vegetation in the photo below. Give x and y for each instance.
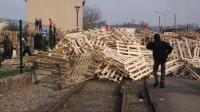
(8, 73)
(92, 18)
(4, 74)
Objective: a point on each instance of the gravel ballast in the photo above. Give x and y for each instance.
(34, 98)
(96, 96)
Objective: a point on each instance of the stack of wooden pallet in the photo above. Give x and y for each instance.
(13, 36)
(10, 64)
(133, 67)
(190, 70)
(187, 50)
(113, 55)
(49, 68)
(83, 70)
(189, 34)
(183, 60)
(74, 58)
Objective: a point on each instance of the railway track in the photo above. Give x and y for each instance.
(104, 96)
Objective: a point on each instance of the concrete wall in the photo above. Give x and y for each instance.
(62, 12)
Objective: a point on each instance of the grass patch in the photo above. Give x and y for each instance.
(8, 73)
(4, 74)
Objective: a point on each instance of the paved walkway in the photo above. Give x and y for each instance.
(178, 96)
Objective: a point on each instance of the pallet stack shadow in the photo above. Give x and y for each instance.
(113, 55)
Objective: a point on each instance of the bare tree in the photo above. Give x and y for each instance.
(92, 17)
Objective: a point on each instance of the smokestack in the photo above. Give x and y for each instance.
(175, 21)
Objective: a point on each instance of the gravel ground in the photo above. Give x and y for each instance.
(132, 101)
(96, 96)
(34, 98)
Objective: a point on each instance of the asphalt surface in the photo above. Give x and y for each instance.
(177, 96)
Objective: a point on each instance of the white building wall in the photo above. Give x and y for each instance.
(62, 12)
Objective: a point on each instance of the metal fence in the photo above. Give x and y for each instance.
(37, 37)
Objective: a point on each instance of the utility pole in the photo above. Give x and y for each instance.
(164, 18)
(21, 52)
(77, 10)
(187, 27)
(159, 24)
(187, 30)
(132, 22)
(175, 21)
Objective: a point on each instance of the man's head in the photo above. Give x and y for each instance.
(157, 37)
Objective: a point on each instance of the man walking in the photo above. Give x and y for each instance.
(161, 50)
(26, 47)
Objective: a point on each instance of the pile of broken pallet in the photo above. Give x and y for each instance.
(189, 34)
(185, 58)
(113, 55)
(188, 53)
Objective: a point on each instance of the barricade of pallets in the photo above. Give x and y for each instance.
(114, 55)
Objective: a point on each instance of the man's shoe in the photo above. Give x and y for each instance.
(162, 84)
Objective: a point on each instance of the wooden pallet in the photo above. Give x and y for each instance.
(110, 74)
(137, 68)
(131, 49)
(171, 67)
(124, 35)
(82, 71)
(49, 73)
(13, 35)
(190, 69)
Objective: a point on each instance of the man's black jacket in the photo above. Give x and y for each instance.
(160, 50)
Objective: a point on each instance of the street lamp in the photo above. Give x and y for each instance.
(77, 10)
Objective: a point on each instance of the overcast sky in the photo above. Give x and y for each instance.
(12, 9)
(119, 11)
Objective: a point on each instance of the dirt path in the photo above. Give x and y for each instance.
(96, 96)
